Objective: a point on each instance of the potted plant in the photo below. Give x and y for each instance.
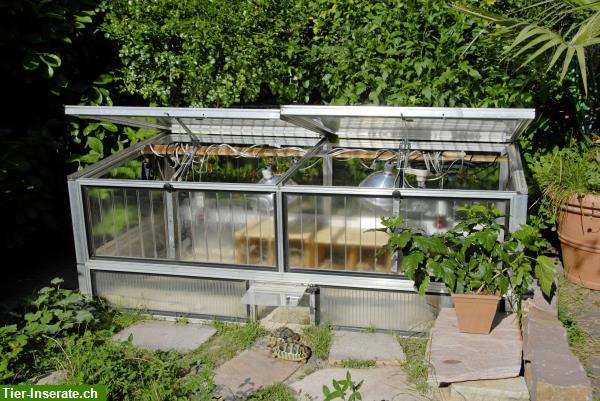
(476, 264)
(570, 183)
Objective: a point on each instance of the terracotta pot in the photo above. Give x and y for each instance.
(475, 313)
(579, 234)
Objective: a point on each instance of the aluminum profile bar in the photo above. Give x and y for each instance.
(171, 112)
(311, 125)
(177, 185)
(79, 237)
(406, 192)
(515, 165)
(310, 153)
(106, 164)
(131, 122)
(409, 112)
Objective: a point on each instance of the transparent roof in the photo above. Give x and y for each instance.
(413, 123)
(305, 124)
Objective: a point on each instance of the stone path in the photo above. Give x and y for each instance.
(513, 389)
(382, 348)
(250, 371)
(166, 336)
(456, 357)
(382, 383)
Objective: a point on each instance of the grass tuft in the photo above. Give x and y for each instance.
(357, 363)
(125, 318)
(275, 392)
(318, 338)
(229, 340)
(571, 305)
(416, 365)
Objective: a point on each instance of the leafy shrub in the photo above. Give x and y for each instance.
(55, 313)
(473, 257)
(310, 51)
(131, 373)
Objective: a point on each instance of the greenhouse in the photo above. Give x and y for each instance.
(233, 213)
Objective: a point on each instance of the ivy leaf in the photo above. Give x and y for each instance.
(545, 272)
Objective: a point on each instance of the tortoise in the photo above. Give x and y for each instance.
(291, 351)
(282, 335)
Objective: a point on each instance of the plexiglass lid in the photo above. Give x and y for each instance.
(305, 124)
(413, 123)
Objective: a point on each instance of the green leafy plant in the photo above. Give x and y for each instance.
(131, 373)
(345, 389)
(56, 313)
(318, 338)
(473, 257)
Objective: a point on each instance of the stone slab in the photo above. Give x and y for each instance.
(294, 317)
(380, 383)
(166, 336)
(382, 348)
(457, 357)
(250, 371)
(57, 377)
(552, 371)
(513, 389)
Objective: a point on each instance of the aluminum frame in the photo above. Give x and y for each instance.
(516, 195)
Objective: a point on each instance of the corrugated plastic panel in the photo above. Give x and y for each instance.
(386, 310)
(181, 295)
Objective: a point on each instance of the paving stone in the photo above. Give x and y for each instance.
(293, 317)
(382, 348)
(57, 377)
(166, 336)
(552, 371)
(457, 357)
(513, 389)
(380, 383)
(250, 371)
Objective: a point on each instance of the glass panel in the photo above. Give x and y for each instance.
(222, 163)
(126, 222)
(214, 227)
(342, 232)
(379, 169)
(222, 227)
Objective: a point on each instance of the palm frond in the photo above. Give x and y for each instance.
(537, 38)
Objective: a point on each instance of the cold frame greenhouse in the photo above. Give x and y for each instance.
(235, 213)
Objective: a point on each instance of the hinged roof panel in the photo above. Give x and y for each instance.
(241, 126)
(305, 124)
(413, 123)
